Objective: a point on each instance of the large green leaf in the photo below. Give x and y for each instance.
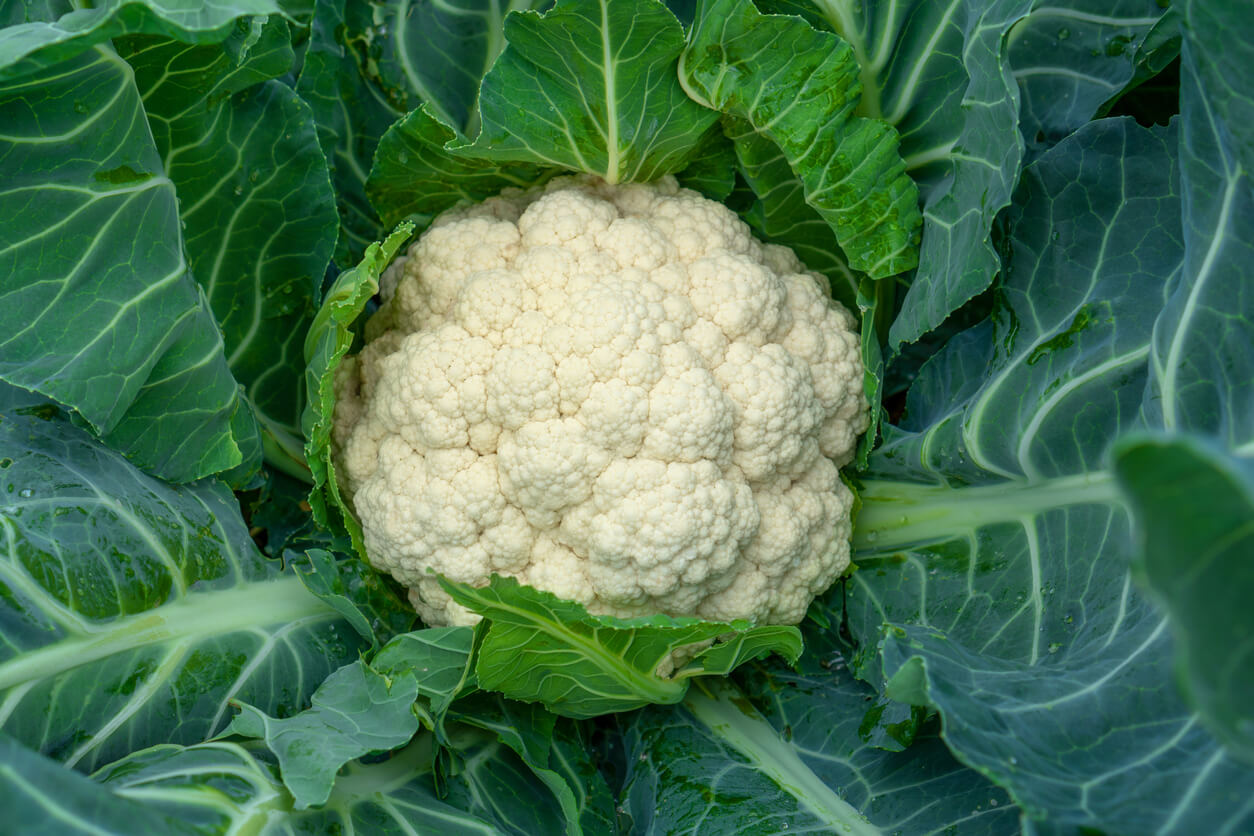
(1202, 368)
(132, 611)
(1202, 381)
(940, 73)
(47, 798)
(351, 113)
(797, 88)
(585, 87)
(1195, 508)
(97, 308)
(535, 646)
(787, 752)
(52, 32)
(1073, 56)
(993, 541)
(592, 87)
(258, 212)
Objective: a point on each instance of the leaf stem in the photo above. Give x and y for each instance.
(734, 721)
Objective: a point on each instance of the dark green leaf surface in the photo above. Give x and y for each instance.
(992, 535)
(45, 797)
(133, 610)
(712, 168)
(351, 113)
(1073, 56)
(1202, 365)
(58, 32)
(1194, 507)
(556, 754)
(438, 54)
(785, 754)
(257, 209)
(538, 647)
(368, 64)
(591, 87)
(798, 88)
(415, 177)
(98, 309)
(356, 592)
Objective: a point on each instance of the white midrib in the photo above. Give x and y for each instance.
(206, 615)
(611, 101)
(752, 736)
(1204, 273)
(896, 514)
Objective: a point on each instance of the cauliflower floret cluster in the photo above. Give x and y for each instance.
(614, 393)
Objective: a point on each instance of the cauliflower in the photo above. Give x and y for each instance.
(613, 393)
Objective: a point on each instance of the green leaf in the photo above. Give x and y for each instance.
(46, 38)
(438, 54)
(953, 98)
(369, 64)
(48, 798)
(99, 311)
(133, 610)
(992, 539)
(329, 338)
(416, 177)
(438, 658)
(787, 749)
(538, 647)
(227, 787)
(355, 712)
(798, 88)
(1202, 368)
(356, 592)
(1194, 507)
(1071, 57)
(940, 73)
(591, 87)
(351, 113)
(257, 207)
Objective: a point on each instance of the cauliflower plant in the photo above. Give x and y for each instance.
(614, 393)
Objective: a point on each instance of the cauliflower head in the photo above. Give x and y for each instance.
(610, 392)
